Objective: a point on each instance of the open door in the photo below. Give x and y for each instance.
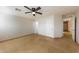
(74, 28)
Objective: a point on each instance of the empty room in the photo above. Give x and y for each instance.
(39, 29)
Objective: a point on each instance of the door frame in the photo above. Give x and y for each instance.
(75, 30)
(75, 25)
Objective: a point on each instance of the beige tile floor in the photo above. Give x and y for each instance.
(37, 43)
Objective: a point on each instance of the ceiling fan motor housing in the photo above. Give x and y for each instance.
(33, 9)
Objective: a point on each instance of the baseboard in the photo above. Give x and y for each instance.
(31, 34)
(77, 42)
(50, 36)
(16, 37)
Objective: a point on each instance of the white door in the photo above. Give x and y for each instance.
(73, 28)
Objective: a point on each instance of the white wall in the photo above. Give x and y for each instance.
(58, 26)
(45, 26)
(51, 26)
(14, 26)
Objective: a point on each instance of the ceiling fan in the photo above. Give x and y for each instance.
(33, 10)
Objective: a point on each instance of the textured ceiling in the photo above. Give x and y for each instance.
(46, 10)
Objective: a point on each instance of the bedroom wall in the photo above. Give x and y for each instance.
(51, 26)
(45, 26)
(13, 26)
(58, 26)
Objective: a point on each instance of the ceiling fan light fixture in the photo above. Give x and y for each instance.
(33, 12)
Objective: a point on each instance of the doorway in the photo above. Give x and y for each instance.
(69, 27)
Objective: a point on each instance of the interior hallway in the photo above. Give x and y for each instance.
(38, 43)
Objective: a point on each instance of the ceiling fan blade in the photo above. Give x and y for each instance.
(28, 8)
(39, 13)
(27, 12)
(38, 8)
